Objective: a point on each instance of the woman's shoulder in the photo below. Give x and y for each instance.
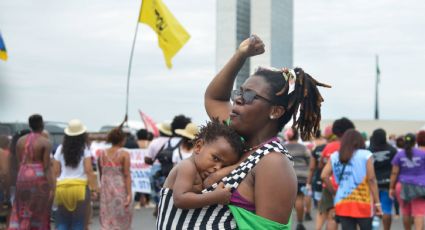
(275, 165)
(58, 153)
(419, 151)
(334, 155)
(364, 153)
(123, 152)
(274, 159)
(87, 152)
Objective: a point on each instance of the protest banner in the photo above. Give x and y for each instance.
(140, 171)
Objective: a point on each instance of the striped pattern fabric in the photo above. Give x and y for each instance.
(215, 216)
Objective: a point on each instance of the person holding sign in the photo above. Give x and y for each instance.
(144, 137)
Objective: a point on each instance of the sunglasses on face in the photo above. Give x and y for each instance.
(247, 96)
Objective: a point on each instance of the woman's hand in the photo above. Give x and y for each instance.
(378, 210)
(127, 200)
(251, 46)
(94, 195)
(222, 194)
(391, 194)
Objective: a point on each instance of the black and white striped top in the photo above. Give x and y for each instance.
(214, 216)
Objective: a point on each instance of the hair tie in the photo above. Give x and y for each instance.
(290, 77)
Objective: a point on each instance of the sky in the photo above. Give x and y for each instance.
(69, 59)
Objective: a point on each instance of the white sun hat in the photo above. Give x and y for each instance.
(75, 128)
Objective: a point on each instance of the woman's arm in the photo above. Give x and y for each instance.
(56, 168)
(371, 178)
(127, 176)
(217, 95)
(4, 169)
(99, 166)
(326, 173)
(393, 179)
(47, 164)
(91, 177)
(275, 187)
(312, 167)
(185, 198)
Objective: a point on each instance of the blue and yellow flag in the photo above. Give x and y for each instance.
(3, 53)
(171, 34)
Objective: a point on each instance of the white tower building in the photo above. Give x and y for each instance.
(272, 20)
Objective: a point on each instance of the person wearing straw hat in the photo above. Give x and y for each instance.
(185, 149)
(164, 134)
(74, 172)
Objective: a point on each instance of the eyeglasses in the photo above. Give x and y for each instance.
(247, 96)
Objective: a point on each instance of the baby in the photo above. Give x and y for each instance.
(216, 146)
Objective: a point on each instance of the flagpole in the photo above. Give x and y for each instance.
(131, 61)
(376, 88)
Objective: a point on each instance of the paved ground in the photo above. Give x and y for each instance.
(143, 219)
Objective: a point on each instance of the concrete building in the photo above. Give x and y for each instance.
(272, 20)
(233, 26)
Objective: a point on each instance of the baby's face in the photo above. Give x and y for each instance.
(210, 157)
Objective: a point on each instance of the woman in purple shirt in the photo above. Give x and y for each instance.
(409, 172)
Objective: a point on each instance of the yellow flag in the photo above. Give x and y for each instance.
(171, 35)
(3, 52)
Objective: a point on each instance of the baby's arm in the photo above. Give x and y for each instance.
(183, 196)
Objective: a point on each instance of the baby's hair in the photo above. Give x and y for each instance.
(215, 129)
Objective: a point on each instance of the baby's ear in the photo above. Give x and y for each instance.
(198, 146)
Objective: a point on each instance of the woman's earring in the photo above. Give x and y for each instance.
(271, 117)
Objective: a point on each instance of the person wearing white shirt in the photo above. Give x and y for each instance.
(73, 169)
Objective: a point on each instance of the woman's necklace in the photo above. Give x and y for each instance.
(261, 144)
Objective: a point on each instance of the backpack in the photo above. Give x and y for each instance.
(165, 157)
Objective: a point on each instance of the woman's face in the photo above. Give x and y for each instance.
(248, 118)
(210, 157)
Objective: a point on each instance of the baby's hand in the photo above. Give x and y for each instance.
(222, 194)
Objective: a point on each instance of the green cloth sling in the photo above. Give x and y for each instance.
(248, 220)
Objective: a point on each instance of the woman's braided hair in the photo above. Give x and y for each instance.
(73, 149)
(305, 97)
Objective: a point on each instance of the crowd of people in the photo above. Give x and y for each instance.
(243, 169)
(361, 183)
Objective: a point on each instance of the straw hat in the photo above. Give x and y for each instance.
(189, 131)
(75, 128)
(165, 128)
